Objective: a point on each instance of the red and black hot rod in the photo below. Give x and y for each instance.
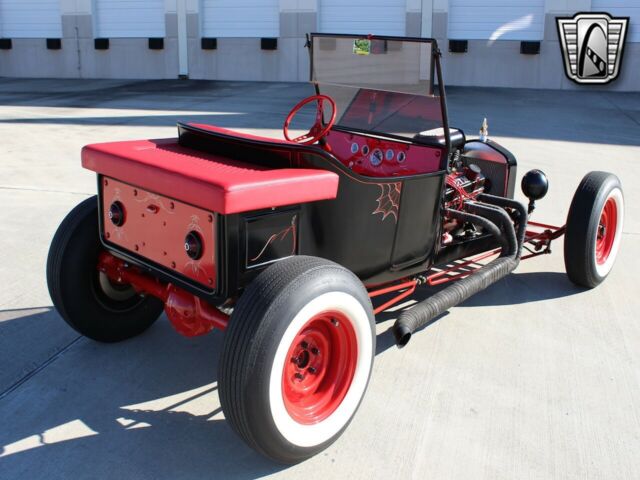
(283, 244)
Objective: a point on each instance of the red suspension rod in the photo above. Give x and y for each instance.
(409, 287)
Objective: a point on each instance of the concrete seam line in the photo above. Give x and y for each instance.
(43, 190)
(38, 369)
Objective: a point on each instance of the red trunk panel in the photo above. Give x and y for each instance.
(156, 227)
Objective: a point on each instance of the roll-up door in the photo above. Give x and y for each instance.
(378, 17)
(496, 19)
(240, 18)
(129, 18)
(30, 19)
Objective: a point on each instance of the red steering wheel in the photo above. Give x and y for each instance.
(318, 130)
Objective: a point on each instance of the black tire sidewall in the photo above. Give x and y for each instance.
(72, 278)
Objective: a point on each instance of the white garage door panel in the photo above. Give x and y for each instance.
(30, 19)
(622, 8)
(379, 17)
(241, 18)
(129, 18)
(496, 19)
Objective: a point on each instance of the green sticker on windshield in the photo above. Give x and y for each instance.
(362, 46)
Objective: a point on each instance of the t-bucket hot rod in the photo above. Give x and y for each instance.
(283, 244)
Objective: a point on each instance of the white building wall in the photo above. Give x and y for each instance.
(487, 63)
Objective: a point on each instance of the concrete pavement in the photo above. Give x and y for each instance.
(533, 378)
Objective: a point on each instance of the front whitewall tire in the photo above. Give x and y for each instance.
(604, 269)
(591, 241)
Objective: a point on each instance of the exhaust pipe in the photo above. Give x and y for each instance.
(424, 312)
(523, 214)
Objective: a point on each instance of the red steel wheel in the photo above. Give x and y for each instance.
(297, 357)
(321, 366)
(606, 231)
(594, 229)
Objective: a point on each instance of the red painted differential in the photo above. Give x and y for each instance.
(189, 315)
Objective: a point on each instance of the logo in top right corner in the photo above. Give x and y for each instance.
(592, 45)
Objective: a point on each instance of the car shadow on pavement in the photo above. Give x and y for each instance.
(144, 408)
(514, 289)
(148, 407)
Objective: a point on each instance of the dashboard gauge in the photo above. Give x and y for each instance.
(402, 157)
(376, 157)
(365, 149)
(390, 154)
(354, 147)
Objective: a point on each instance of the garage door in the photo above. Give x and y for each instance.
(240, 18)
(379, 17)
(622, 8)
(496, 19)
(129, 18)
(30, 19)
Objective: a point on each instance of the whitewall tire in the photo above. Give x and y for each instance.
(297, 357)
(594, 229)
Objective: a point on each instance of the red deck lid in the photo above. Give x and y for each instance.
(205, 180)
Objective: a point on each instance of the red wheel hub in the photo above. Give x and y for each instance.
(606, 230)
(319, 367)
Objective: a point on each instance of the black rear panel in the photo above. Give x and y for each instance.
(377, 227)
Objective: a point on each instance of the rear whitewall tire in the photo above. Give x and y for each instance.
(84, 297)
(298, 306)
(312, 435)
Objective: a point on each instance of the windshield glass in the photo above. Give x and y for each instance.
(379, 85)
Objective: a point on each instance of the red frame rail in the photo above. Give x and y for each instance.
(408, 288)
(538, 235)
(192, 316)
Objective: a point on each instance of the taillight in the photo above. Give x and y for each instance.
(193, 245)
(116, 213)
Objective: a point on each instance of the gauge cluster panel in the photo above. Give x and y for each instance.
(373, 156)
